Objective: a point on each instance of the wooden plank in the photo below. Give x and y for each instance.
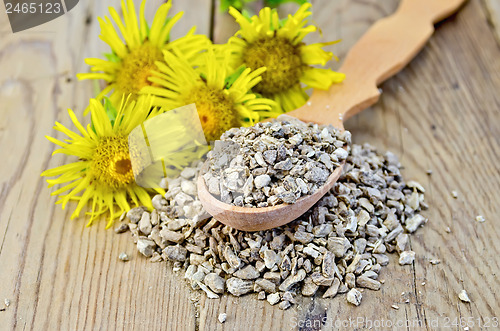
(342, 19)
(434, 100)
(441, 113)
(224, 25)
(57, 273)
(196, 13)
(492, 8)
(423, 95)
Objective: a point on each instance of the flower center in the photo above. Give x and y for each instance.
(215, 110)
(111, 164)
(282, 60)
(136, 68)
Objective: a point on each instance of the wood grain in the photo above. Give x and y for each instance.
(492, 9)
(386, 48)
(440, 113)
(224, 26)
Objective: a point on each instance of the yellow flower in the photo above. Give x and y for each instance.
(133, 59)
(103, 173)
(223, 99)
(265, 41)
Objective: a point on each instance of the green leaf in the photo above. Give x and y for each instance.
(241, 4)
(112, 57)
(248, 15)
(110, 110)
(276, 3)
(225, 4)
(238, 4)
(234, 76)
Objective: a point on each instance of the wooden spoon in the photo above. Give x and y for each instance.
(382, 52)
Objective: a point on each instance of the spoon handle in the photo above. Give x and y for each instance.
(389, 45)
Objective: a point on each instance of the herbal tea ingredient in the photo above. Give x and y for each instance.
(338, 246)
(274, 162)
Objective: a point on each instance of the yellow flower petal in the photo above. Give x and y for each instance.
(262, 42)
(135, 48)
(103, 174)
(321, 78)
(219, 107)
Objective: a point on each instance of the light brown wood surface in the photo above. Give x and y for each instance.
(440, 113)
(386, 48)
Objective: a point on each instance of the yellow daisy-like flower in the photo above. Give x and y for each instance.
(223, 99)
(265, 41)
(133, 59)
(103, 173)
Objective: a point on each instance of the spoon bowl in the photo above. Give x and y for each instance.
(382, 51)
(255, 219)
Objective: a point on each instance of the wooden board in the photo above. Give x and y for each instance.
(440, 113)
(492, 11)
